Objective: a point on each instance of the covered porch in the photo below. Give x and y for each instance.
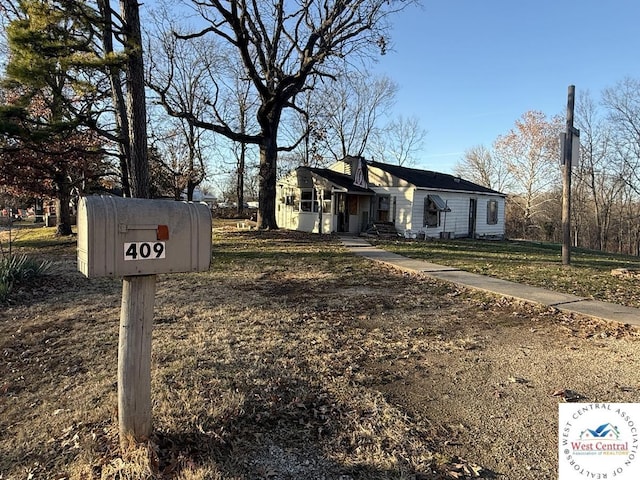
(321, 201)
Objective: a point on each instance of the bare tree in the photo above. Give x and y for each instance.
(351, 108)
(314, 149)
(531, 152)
(245, 105)
(481, 166)
(178, 161)
(598, 182)
(400, 141)
(284, 46)
(185, 69)
(623, 104)
(343, 116)
(475, 166)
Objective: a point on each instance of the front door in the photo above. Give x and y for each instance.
(473, 208)
(341, 212)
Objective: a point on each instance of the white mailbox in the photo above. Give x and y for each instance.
(119, 237)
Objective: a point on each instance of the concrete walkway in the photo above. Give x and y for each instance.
(561, 301)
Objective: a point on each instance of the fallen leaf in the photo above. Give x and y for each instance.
(568, 395)
(518, 380)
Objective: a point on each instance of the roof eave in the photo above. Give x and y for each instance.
(436, 189)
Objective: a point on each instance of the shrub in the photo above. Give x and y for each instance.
(15, 270)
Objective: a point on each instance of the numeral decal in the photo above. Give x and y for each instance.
(143, 250)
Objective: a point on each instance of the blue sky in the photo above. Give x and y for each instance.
(468, 69)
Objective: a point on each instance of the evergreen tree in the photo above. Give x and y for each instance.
(54, 97)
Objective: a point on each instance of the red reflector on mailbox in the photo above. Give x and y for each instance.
(162, 232)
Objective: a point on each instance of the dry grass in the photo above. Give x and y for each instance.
(268, 366)
(533, 263)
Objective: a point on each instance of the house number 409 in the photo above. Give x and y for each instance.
(143, 250)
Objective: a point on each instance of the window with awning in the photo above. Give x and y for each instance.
(433, 205)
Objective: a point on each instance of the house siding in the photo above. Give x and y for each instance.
(307, 222)
(401, 194)
(449, 221)
(404, 208)
(483, 229)
(456, 222)
(401, 211)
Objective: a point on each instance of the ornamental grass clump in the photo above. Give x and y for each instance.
(15, 270)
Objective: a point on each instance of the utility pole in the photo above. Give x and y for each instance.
(567, 155)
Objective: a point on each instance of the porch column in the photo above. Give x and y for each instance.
(320, 197)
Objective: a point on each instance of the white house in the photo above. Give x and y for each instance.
(354, 194)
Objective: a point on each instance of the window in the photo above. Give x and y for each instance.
(326, 201)
(307, 201)
(431, 216)
(433, 205)
(310, 201)
(492, 212)
(382, 209)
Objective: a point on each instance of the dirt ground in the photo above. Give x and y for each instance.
(342, 343)
(492, 380)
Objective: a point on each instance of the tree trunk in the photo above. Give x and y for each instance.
(136, 101)
(240, 178)
(267, 175)
(63, 211)
(191, 179)
(191, 187)
(267, 188)
(122, 122)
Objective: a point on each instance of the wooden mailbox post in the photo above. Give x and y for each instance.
(136, 239)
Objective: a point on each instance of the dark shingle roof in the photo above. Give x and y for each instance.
(339, 179)
(429, 179)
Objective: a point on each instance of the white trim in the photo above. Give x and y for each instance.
(466, 192)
